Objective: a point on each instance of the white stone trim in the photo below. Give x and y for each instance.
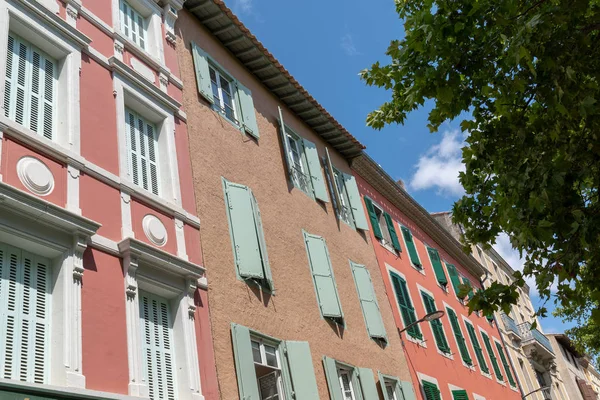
(180, 236)
(50, 390)
(73, 193)
(72, 11)
(478, 397)
(126, 221)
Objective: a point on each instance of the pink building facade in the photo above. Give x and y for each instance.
(103, 289)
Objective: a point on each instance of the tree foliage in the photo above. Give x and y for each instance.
(527, 74)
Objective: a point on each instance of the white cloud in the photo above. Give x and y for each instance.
(511, 256)
(348, 46)
(438, 168)
(243, 6)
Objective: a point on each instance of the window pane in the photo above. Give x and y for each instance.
(256, 352)
(270, 353)
(390, 392)
(346, 386)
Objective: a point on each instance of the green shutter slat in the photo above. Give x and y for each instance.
(462, 346)
(246, 105)
(262, 244)
(408, 392)
(314, 168)
(505, 364)
(368, 301)
(367, 384)
(358, 212)
(410, 244)
(246, 245)
(301, 370)
(453, 278)
(436, 325)
(468, 283)
(437, 266)
(406, 308)
(322, 272)
(431, 391)
(333, 383)
(390, 225)
(244, 363)
(477, 347)
(490, 350)
(460, 395)
(202, 73)
(373, 217)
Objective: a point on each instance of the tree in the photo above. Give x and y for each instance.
(526, 72)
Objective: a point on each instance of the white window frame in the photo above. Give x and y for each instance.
(220, 108)
(290, 135)
(134, 17)
(343, 371)
(152, 15)
(338, 180)
(483, 351)
(452, 387)
(153, 146)
(422, 269)
(421, 289)
(278, 370)
(463, 332)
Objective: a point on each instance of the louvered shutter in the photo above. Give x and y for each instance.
(477, 348)
(301, 369)
(431, 391)
(368, 301)
(453, 277)
(373, 217)
(367, 384)
(437, 266)
(314, 169)
(390, 225)
(460, 339)
(358, 212)
(460, 395)
(262, 244)
(142, 141)
(490, 350)
(24, 316)
(410, 244)
(406, 308)
(333, 383)
(468, 283)
(289, 163)
(505, 364)
(246, 106)
(133, 25)
(244, 363)
(202, 73)
(436, 325)
(320, 265)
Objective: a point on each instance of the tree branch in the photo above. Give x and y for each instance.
(529, 9)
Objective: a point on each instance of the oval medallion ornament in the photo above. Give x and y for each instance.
(155, 230)
(35, 176)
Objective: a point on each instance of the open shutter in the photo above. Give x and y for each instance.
(368, 301)
(286, 147)
(373, 217)
(468, 283)
(331, 177)
(335, 391)
(436, 325)
(460, 395)
(454, 277)
(431, 391)
(367, 384)
(477, 348)
(358, 212)
(322, 273)
(462, 346)
(437, 266)
(505, 364)
(383, 387)
(393, 387)
(406, 308)
(248, 118)
(266, 267)
(314, 168)
(246, 246)
(244, 363)
(202, 73)
(408, 392)
(490, 350)
(390, 225)
(301, 370)
(410, 244)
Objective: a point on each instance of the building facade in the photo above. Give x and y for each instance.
(424, 269)
(592, 375)
(571, 366)
(102, 283)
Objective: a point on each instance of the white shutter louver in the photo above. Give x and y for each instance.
(133, 25)
(143, 143)
(157, 347)
(24, 320)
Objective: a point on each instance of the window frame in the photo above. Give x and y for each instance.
(291, 136)
(153, 51)
(386, 240)
(426, 378)
(346, 371)
(139, 118)
(220, 108)
(140, 41)
(278, 370)
(346, 215)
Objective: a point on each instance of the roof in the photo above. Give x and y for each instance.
(566, 342)
(232, 33)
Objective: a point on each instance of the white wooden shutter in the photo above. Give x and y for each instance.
(157, 347)
(143, 151)
(24, 316)
(133, 24)
(30, 87)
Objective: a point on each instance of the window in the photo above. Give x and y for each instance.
(505, 364)
(30, 87)
(267, 368)
(460, 395)
(477, 348)
(368, 302)
(467, 282)
(436, 324)
(394, 389)
(389, 391)
(343, 207)
(247, 236)
(299, 169)
(25, 281)
(454, 278)
(133, 25)
(431, 390)
(407, 310)
(412, 249)
(142, 142)
(222, 89)
(383, 226)
(346, 384)
(458, 335)
(436, 263)
(488, 346)
(157, 346)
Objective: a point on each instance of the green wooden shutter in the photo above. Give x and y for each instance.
(373, 217)
(460, 339)
(410, 244)
(477, 348)
(390, 225)
(490, 350)
(301, 370)
(454, 278)
(335, 391)
(244, 363)
(322, 272)
(367, 384)
(314, 168)
(431, 391)
(460, 395)
(358, 212)
(157, 346)
(368, 301)
(202, 73)
(246, 106)
(505, 364)
(468, 283)
(437, 266)
(262, 244)
(436, 325)
(408, 392)
(406, 308)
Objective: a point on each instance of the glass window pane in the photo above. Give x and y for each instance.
(256, 352)
(271, 354)
(390, 392)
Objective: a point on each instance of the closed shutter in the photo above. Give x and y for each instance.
(157, 346)
(367, 384)
(24, 315)
(436, 325)
(477, 348)
(373, 217)
(410, 244)
(431, 391)
(368, 301)
(314, 169)
(30, 87)
(246, 106)
(202, 73)
(454, 278)
(302, 373)
(244, 363)
(468, 283)
(333, 382)
(437, 266)
(358, 212)
(322, 272)
(262, 244)
(460, 395)
(408, 392)
(505, 364)
(142, 141)
(460, 339)
(406, 308)
(490, 350)
(390, 225)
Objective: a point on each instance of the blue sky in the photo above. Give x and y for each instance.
(324, 45)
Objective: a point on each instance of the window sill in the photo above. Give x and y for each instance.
(388, 247)
(58, 391)
(487, 375)
(418, 342)
(420, 270)
(142, 54)
(449, 356)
